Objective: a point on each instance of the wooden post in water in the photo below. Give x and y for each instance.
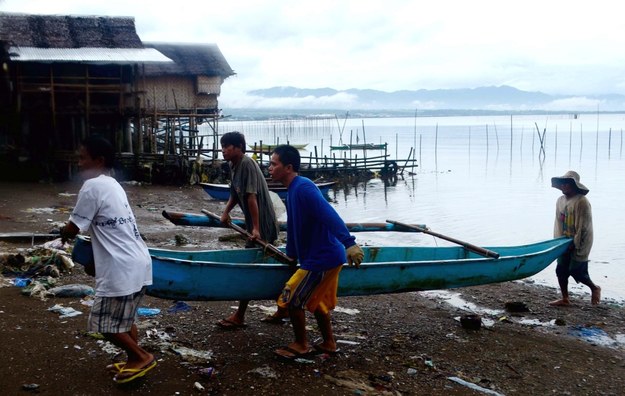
(511, 135)
(469, 144)
(597, 138)
(351, 132)
(609, 142)
(581, 142)
(364, 140)
(436, 148)
(261, 151)
(397, 145)
(420, 140)
(570, 141)
(487, 141)
(415, 134)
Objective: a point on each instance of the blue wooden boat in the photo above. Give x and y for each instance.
(222, 191)
(246, 274)
(201, 220)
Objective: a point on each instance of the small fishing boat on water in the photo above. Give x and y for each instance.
(222, 191)
(265, 148)
(367, 146)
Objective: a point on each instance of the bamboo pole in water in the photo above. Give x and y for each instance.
(496, 136)
(487, 141)
(511, 137)
(420, 140)
(581, 142)
(570, 142)
(436, 148)
(397, 145)
(364, 139)
(415, 132)
(609, 142)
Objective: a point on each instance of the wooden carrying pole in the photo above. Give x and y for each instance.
(268, 248)
(466, 245)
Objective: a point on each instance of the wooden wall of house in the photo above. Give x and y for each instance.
(174, 93)
(56, 105)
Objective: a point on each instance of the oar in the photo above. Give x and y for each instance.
(466, 245)
(267, 247)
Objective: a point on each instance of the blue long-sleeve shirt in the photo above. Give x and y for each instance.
(316, 234)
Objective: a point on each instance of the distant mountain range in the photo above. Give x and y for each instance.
(482, 100)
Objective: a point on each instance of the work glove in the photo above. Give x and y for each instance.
(355, 255)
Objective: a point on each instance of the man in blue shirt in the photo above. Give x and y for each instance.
(318, 238)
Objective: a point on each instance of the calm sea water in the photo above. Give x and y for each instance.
(483, 180)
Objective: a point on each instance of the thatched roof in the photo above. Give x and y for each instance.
(59, 31)
(189, 59)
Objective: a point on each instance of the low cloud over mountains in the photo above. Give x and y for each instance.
(502, 98)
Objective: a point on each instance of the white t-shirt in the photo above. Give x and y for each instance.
(122, 261)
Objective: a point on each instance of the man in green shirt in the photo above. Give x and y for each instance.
(248, 189)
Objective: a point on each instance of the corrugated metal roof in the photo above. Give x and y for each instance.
(87, 55)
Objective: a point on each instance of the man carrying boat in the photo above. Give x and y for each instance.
(122, 265)
(248, 189)
(574, 220)
(319, 239)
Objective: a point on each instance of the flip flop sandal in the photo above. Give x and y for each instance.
(230, 325)
(115, 367)
(293, 354)
(272, 319)
(319, 349)
(136, 373)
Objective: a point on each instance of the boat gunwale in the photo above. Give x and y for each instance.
(551, 243)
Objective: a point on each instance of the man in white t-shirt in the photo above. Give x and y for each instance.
(123, 267)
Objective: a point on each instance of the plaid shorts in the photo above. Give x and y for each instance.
(114, 314)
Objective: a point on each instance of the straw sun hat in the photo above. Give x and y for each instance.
(570, 177)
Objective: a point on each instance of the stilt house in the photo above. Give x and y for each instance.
(66, 77)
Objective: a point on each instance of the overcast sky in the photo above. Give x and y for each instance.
(557, 47)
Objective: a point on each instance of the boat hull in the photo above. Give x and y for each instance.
(201, 220)
(222, 191)
(245, 274)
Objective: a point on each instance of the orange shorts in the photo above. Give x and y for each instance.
(311, 290)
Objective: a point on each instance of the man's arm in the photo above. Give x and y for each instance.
(583, 228)
(252, 206)
(232, 201)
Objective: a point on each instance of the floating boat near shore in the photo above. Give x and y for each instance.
(247, 274)
(368, 146)
(222, 191)
(201, 220)
(265, 148)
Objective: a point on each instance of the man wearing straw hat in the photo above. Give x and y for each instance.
(574, 220)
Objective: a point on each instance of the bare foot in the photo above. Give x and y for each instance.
(596, 296)
(560, 303)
